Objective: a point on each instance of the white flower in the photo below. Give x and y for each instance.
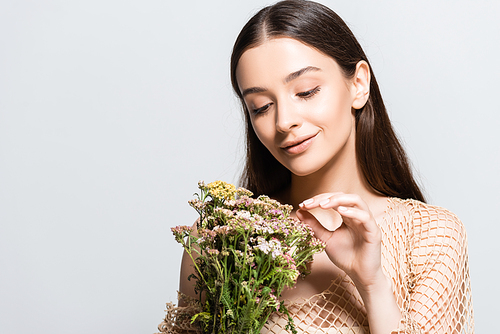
(244, 214)
(230, 202)
(263, 245)
(273, 246)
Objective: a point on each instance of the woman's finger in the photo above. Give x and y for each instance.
(358, 218)
(313, 202)
(332, 200)
(351, 207)
(319, 230)
(346, 200)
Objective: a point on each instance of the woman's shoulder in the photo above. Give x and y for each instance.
(432, 220)
(425, 211)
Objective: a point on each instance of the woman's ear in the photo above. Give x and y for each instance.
(361, 85)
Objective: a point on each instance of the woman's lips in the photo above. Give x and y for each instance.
(299, 144)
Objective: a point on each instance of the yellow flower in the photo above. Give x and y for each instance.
(221, 190)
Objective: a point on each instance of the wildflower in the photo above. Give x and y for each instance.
(230, 202)
(245, 252)
(182, 229)
(293, 275)
(243, 192)
(197, 204)
(288, 261)
(275, 301)
(238, 252)
(213, 251)
(180, 232)
(263, 245)
(222, 229)
(207, 234)
(223, 213)
(244, 215)
(221, 190)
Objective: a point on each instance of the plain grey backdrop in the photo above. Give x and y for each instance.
(111, 111)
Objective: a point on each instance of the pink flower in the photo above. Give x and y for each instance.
(213, 252)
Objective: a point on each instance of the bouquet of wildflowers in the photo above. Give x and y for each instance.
(245, 251)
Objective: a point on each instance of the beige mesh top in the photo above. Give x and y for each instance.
(424, 251)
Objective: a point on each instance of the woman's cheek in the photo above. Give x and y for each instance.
(263, 131)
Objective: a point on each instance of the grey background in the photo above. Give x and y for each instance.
(111, 111)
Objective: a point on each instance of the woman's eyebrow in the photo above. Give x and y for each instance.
(253, 90)
(292, 76)
(296, 74)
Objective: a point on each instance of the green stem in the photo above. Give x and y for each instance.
(189, 250)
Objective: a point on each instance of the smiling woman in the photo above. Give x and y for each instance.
(319, 138)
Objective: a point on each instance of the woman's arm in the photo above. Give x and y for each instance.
(441, 300)
(186, 286)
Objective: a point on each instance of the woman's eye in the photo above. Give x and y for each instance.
(309, 93)
(261, 109)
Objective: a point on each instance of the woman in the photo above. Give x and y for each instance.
(319, 138)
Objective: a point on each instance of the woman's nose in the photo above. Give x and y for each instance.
(287, 117)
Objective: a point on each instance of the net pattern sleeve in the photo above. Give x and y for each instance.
(439, 289)
(178, 320)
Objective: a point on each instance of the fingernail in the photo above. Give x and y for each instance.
(308, 201)
(342, 208)
(325, 202)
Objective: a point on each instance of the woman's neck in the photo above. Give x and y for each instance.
(338, 176)
(343, 180)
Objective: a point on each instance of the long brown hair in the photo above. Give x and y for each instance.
(380, 155)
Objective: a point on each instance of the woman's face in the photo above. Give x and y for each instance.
(300, 104)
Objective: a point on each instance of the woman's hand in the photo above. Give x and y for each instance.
(355, 246)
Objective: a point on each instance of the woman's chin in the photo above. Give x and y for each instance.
(303, 171)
